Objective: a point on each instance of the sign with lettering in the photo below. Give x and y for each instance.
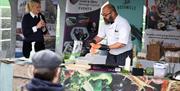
(81, 22)
(82, 6)
(132, 10)
(166, 38)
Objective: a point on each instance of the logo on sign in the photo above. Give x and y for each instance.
(73, 1)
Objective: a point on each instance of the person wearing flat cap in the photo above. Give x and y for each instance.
(46, 72)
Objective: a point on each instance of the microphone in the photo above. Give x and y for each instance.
(44, 28)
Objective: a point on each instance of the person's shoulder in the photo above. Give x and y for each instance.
(27, 15)
(121, 19)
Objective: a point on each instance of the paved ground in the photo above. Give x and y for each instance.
(21, 75)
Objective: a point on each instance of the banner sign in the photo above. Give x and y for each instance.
(166, 38)
(81, 21)
(163, 15)
(132, 10)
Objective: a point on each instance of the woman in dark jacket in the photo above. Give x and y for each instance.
(33, 27)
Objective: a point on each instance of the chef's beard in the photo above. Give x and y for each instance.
(109, 21)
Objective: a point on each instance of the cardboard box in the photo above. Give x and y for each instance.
(154, 52)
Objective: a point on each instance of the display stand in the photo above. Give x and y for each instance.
(172, 58)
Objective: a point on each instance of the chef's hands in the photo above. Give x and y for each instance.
(41, 24)
(95, 47)
(100, 46)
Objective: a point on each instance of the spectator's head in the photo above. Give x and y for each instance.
(33, 6)
(153, 8)
(46, 65)
(109, 13)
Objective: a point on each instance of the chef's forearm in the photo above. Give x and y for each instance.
(116, 45)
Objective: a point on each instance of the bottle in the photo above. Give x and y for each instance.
(127, 66)
(135, 61)
(76, 49)
(32, 51)
(134, 57)
(138, 64)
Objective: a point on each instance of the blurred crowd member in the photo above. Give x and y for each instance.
(177, 14)
(153, 17)
(46, 72)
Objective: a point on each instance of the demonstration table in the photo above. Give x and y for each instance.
(15, 75)
(76, 79)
